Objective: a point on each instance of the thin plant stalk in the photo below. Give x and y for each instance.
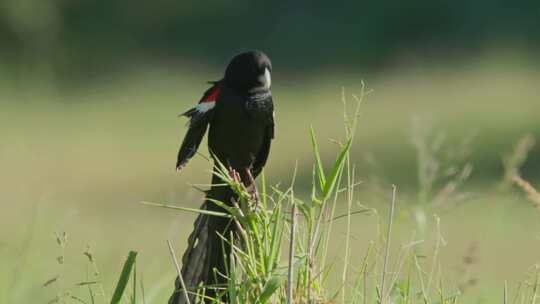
(365, 283)
(179, 271)
(350, 128)
(350, 197)
(309, 260)
(388, 242)
(329, 229)
(436, 253)
(505, 293)
(292, 242)
(421, 279)
(535, 289)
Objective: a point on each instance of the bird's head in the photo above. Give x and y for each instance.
(248, 71)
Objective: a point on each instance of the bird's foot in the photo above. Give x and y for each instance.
(253, 188)
(235, 175)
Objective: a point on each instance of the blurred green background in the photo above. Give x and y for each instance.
(89, 92)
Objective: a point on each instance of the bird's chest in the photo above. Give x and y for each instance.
(239, 117)
(237, 131)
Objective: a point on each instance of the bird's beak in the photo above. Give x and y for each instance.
(267, 78)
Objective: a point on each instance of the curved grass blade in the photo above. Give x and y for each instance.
(338, 165)
(318, 162)
(270, 287)
(174, 207)
(124, 277)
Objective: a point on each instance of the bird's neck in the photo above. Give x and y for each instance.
(258, 93)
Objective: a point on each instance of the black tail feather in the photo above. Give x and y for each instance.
(206, 252)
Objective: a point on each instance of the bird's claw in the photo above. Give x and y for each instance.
(253, 188)
(234, 175)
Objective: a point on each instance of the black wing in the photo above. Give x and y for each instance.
(262, 157)
(200, 116)
(191, 142)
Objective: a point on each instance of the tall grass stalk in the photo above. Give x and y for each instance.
(505, 292)
(178, 271)
(350, 197)
(292, 250)
(387, 246)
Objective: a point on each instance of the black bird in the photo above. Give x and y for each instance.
(240, 113)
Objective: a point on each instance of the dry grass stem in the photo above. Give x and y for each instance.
(532, 194)
(178, 271)
(514, 161)
(505, 294)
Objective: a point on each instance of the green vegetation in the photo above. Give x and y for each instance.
(84, 167)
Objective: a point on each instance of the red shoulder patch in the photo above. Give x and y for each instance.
(212, 95)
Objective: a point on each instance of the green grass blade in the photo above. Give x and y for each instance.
(124, 277)
(231, 282)
(264, 190)
(338, 165)
(174, 207)
(143, 293)
(318, 162)
(350, 213)
(86, 283)
(270, 287)
(275, 238)
(446, 299)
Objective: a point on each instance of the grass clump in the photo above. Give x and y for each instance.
(283, 250)
(71, 293)
(258, 271)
